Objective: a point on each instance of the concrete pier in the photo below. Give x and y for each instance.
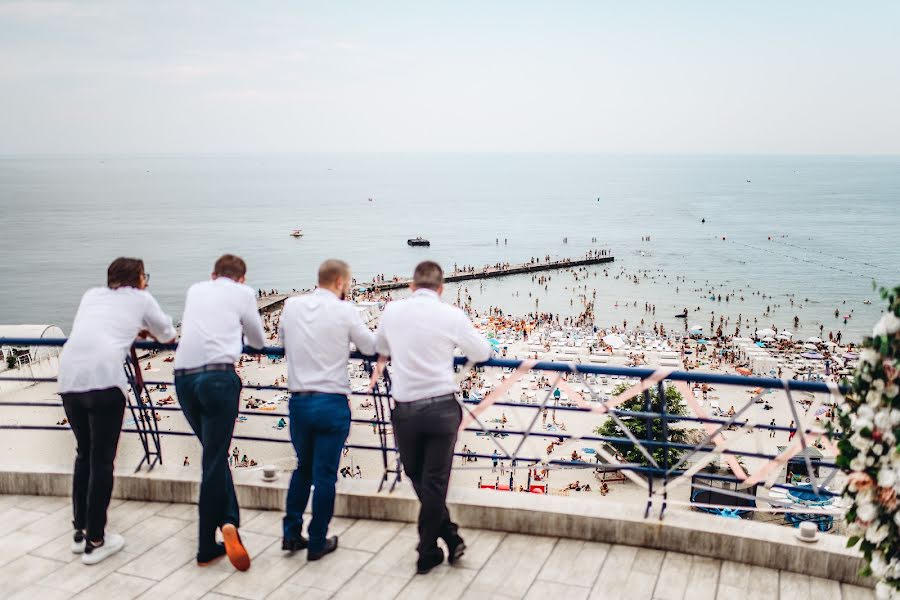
(491, 272)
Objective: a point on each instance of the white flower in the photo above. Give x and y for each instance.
(867, 512)
(897, 518)
(883, 419)
(895, 417)
(891, 391)
(876, 535)
(877, 449)
(878, 564)
(867, 355)
(858, 463)
(887, 325)
(887, 478)
(884, 591)
(860, 443)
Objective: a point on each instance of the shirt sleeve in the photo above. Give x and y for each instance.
(282, 320)
(360, 334)
(474, 346)
(158, 322)
(381, 343)
(252, 324)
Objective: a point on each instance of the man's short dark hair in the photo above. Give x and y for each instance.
(124, 272)
(230, 266)
(428, 275)
(331, 269)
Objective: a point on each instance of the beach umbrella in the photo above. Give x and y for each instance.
(851, 355)
(765, 333)
(812, 355)
(809, 346)
(785, 332)
(696, 327)
(815, 340)
(613, 341)
(769, 339)
(783, 336)
(821, 411)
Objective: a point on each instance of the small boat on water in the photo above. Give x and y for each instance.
(297, 233)
(681, 316)
(418, 241)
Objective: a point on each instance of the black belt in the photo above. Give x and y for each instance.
(205, 369)
(426, 401)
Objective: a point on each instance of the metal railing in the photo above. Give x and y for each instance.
(663, 465)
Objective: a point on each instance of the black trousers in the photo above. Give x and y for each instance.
(210, 403)
(426, 436)
(96, 420)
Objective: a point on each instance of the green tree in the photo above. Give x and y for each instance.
(638, 426)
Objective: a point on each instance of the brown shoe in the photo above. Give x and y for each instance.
(234, 548)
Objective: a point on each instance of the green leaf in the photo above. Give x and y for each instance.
(853, 541)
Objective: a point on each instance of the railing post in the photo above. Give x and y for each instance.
(664, 411)
(649, 436)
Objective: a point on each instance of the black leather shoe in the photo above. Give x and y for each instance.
(294, 544)
(456, 547)
(429, 560)
(331, 545)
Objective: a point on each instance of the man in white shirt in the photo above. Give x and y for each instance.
(93, 387)
(216, 312)
(316, 330)
(420, 334)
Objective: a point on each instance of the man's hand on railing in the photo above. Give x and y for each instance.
(144, 334)
(376, 372)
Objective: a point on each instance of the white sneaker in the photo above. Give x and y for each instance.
(78, 546)
(111, 544)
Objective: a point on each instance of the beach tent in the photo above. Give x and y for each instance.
(30, 354)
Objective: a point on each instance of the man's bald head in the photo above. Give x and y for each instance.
(334, 275)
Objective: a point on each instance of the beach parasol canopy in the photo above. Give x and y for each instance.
(769, 339)
(815, 340)
(786, 332)
(696, 327)
(812, 355)
(783, 336)
(765, 333)
(809, 346)
(613, 341)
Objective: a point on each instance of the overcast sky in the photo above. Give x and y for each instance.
(262, 76)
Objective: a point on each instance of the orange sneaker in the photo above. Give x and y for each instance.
(234, 548)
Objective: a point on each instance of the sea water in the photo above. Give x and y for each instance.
(815, 229)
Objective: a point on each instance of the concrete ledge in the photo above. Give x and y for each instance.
(748, 542)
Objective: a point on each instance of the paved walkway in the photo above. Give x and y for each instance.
(375, 560)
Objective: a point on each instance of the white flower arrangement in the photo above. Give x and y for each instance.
(870, 421)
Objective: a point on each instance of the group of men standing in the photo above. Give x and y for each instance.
(418, 335)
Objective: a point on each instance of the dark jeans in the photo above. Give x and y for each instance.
(210, 404)
(426, 437)
(319, 427)
(96, 420)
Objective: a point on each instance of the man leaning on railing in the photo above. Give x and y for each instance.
(420, 335)
(93, 387)
(209, 390)
(316, 331)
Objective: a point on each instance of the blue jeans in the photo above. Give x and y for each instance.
(319, 427)
(210, 405)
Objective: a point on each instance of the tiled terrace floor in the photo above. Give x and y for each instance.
(375, 560)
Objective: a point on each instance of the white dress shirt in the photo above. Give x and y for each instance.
(316, 331)
(106, 324)
(215, 314)
(420, 334)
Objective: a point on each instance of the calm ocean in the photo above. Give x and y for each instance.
(833, 222)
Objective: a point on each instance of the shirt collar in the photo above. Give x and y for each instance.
(323, 292)
(426, 293)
